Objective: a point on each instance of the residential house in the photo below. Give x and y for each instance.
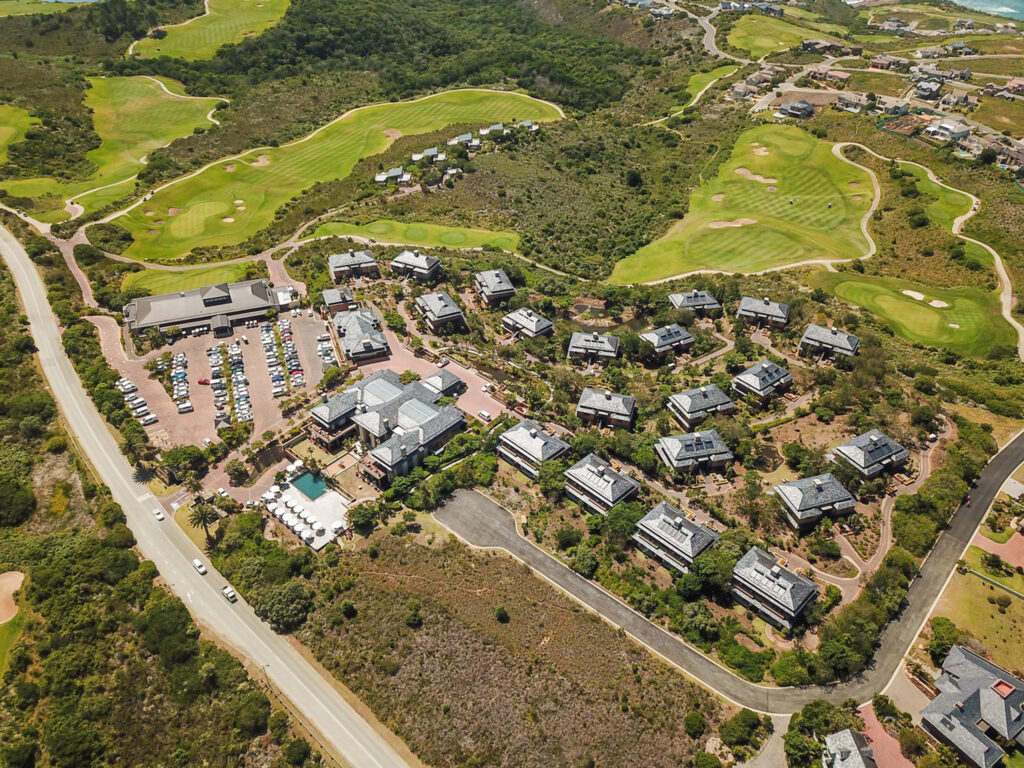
(763, 380)
(824, 74)
(419, 266)
(528, 125)
(800, 109)
(351, 264)
(593, 347)
(960, 48)
(433, 154)
(593, 483)
(932, 52)
(847, 749)
(695, 405)
(462, 138)
(818, 340)
(763, 312)
(606, 409)
(770, 9)
(360, 335)
(823, 47)
(928, 90)
(439, 310)
(526, 322)
(854, 103)
(979, 708)
(527, 445)
(1016, 85)
(694, 452)
(661, 12)
(893, 25)
(729, 5)
(948, 130)
(494, 286)
(668, 338)
(887, 62)
(701, 303)
(958, 97)
(809, 499)
(742, 92)
(871, 453)
(338, 299)
(444, 383)
(672, 538)
(888, 105)
(497, 128)
(965, 24)
(777, 594)
(393, 176)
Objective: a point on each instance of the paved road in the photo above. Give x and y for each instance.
(483, 523)
(347, 734)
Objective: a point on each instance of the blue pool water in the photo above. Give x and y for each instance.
(312, 486)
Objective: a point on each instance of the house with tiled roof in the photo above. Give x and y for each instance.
(668, 338)
(593, 347)
(338, 299)
(763, 312)
(763, 380)
(526, 322)
(439, 310)
(352, 264)
(701, 303)
(360, 336)
(776, 593)
(820, 341)
(494, 286)
(673, 538)
(695, 405)
(593, 483)
(808, 499)
(847, 749)
(419, 266)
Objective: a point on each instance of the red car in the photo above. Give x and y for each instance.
(204, 381)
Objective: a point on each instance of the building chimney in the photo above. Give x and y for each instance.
(767, 301)
(607, 395)
(704, 391)
(533, 431)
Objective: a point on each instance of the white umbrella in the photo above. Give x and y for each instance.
(299, 463)
(337, 525)
(303, 514)
(267, 496)
(289, 469)
(290, 503)
(317, 525)
(271, 507)
(308, 535)
(274, 489)
(298, 509)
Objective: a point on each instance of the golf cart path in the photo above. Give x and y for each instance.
(206, 12)
(691, 102)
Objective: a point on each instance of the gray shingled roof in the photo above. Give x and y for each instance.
(439, 306)
(810, 497)
(415, 260)
(359, 332)
(833, 339)
(531, 439)
(694, 300)
(847, 749)
(763, 378)
(698, 403)
(338, 295)
(184, 307)
(601, 481)
(598, 401)
(528, 320)
(442, 380)
(350, 259)
(686, 451)
(494, 281)
(871, 451)
(593, 343)
(673, 531)
(338, 407)
(764, 309)
(668, 337)
(761, 574)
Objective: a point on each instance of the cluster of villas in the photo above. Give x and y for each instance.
(767, 9)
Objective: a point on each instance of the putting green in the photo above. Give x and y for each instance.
(158, 281)
(229, 21)
(768, 207)
(421, 235)
(133, 116)
(761, 35)
(14, 122)
(981, 326)
(236, 197)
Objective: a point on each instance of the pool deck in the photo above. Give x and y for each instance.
(330, 507)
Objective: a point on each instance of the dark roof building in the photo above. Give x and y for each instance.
(527, 445)
(494, 286)
(672, 538)
(763, 380)
(596, 406)
(847, 749)
(526, 322)
(871, 453)
(338, 299)
(592, 347)
(331, 420)
(777, 594)
(231, 303)
(420, 266)
(693, 452)
(763, 312)
(444, 382)
(809, 499)
(360, 335)
(818, 340)
(978, 702)
(668, 338)
(351, 264)
(439, 310)
(699, 302)
(593, 483)
(694, 405)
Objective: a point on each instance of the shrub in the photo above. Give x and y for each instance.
(695, 724)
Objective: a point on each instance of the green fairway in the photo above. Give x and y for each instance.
(970, 324)
(24, 7)
(950, 203)
(133, 116)
(229, 21)
(421, 235)
(14, 121)
(761, 35)
(158, 281)
(236, 197)
(699, 82)
(743, 221)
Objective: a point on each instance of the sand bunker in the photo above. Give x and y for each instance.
(937, 303)
(392, 133)
(855, 198)
(153, 232)
(854, 183)
(239, 208)
(735, 223)
(746, 174)
(10, 583)
(159, 221)
(239, 202)
(173, 211)
(755, 143)
(770, 189)
(228, 220)
(954, 325)
(230, 168)
(261, 161)
(150, 213)
(914, 295)
(762, 151)
(717, 198)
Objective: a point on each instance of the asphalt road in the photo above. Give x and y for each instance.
(483, 523)
(347, 734)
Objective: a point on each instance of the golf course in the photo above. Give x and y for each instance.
(421, 235)
(133, 116)
(966, 320)
(781, 198)
(228, 21)
(699, 81)
(25, 7)
(761, 35)
(158, 281)
(14, 122)
(227, 201)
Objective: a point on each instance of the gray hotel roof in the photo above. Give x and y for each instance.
(684, 538)
(763, 378)
(871, 451)
(694, 300)
(338, 295)
(810, 496)
(360, 333)
(686, 451)
(611, 403)
(593, 343)
(350, 259)
(597, 476)
(847, 749)
(700, 402)
(668, 337)
(833, 339)
(189, 307)
(761, 573)
(531, 439)
(414, 260)
(763, 308)
(528, 320)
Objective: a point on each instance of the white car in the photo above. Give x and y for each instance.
(229, 593)
(198, 565)
(222, 492)
(207, 441)
(158, 514)
(484, 415)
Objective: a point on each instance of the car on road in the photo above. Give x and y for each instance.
(198, 565)
(158, 514)
(229, 593)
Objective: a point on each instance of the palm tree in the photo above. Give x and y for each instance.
(203, 515)
(131, 444)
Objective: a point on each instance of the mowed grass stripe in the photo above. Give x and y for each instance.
(133, 116)
(158, 281)
(229, 21)
(264, 179)
(14, 123)
(829, 199)
(421, 235)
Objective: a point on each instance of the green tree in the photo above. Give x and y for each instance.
(203, 516)
(237, 471)
(944, 636)
(17, 502)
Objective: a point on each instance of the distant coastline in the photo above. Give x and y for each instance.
(1011, 9)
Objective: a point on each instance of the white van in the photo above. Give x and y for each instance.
(484, 415)
(150, 419)
(185, 407)
(324, 337)
(278, 392)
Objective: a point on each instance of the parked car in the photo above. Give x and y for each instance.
(221, 492)
(198, 565)
(203, 381)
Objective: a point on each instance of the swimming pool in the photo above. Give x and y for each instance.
(312, 486)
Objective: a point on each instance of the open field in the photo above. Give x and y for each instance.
(699, 81)
(811, 19)
(768, 207)
(133, 116)
(422, 235)
(987, 44)
(158, 281)
(229, 21)
(950, 203)
(234, 198)
(877, 83)
(970, 324)
(25, 7)
(1001, 115)
(928, 16)
(14, 122)
(965, 603)
(761, 35)
(993, 66)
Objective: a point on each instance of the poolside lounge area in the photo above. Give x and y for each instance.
(309, 508)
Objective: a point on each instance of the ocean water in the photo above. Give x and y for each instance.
(1013, 9)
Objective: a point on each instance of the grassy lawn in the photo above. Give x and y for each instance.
(8, 634)
(1014, 581)
(965, 602)
(761, 35)
(877, 83)
(1004, 67)
(422, 235)
(699, 82)
(794, 166)
(158, 281)
(233, 199)
(229, 21)
(1000, 537)
(975, 312)
(1001, 115)
(997, 44)
(132, 115)
(926, 13)
(24, 7)
(14, 122)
